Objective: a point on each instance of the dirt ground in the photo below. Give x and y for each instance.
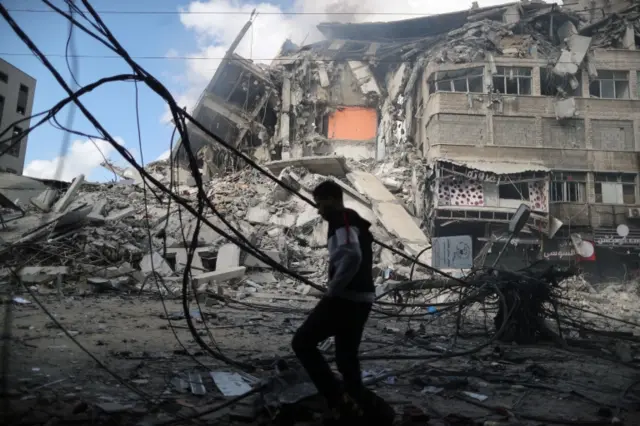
(51, 377)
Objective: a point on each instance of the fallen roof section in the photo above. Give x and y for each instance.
(424, 26)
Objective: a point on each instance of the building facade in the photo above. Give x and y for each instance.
(17, 90)
(526, 102)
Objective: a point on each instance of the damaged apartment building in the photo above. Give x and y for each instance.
(525, 102)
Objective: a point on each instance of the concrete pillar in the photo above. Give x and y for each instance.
(588, 133)
(535, 82)
(68, 197)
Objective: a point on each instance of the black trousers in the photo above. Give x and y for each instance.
(345, 320)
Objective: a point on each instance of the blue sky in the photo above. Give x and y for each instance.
(205, 33)
(114, 105)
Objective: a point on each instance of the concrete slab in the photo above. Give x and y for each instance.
(252, 262)
(287, 220)
(325, 165)
(68, 197)
(228, 257)
(258, 214)
(219, 275)
(369, 185)
(159, 264)
(45, 200)
(352, 192)
(364, 77)
(121, 214)
(20, 188)
(391, 214)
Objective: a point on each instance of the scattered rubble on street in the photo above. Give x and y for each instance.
(113, 322)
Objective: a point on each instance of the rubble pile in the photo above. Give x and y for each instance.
(114, 235)
(617, 31)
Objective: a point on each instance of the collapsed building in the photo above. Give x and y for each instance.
(490, 108)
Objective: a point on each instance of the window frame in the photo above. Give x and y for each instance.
(627, 181)
(613, 79)
(15, 149)
(506, 73)
(436, 84)
(22, 109)
(569, 183)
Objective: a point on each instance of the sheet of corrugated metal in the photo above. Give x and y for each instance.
(497, 167)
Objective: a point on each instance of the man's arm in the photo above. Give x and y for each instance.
(345, 258)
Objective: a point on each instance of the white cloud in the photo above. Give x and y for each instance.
(81, 158)
(215, 32)
(163, 156)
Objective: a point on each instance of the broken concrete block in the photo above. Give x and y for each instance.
(121, 214)
(565, 108)
(228, 257)
(98, 208)
(323, 75)
(36, 274)
(155, 261)
(286, 220)
(68, 197)
(219, 275)
(252, 262)
(365, 78)
(182, 176)
(45, 200)
(309, 215)
(258, 214)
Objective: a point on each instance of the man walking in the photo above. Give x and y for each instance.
(344, 308)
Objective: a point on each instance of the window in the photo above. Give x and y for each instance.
(552, 84)
(23, 96)
(512, 81)
(514, 191)
(12, 171)
(610, 85)
(569, 188)
(464, 80)
(4, 78)
(14, 144)
(1, 109)
(613, 188)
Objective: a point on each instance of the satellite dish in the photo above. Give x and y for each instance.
(585, 249)
(622, 230)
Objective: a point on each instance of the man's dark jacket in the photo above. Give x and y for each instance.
(349, 241)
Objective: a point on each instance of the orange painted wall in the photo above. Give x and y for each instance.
(353, 123)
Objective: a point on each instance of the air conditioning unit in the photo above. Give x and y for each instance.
(634, 213)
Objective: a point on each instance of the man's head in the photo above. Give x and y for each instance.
(328, 198)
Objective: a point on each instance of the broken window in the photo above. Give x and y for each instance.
(23, 97)
(514, 191)
(615, 188)
(552, 84)
(610, 85)
(569, 188)
(13, 146)
(463, 80)
(4, 78)
(512, 81)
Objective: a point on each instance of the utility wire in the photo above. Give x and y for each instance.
(203, 58)
(296, 13)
